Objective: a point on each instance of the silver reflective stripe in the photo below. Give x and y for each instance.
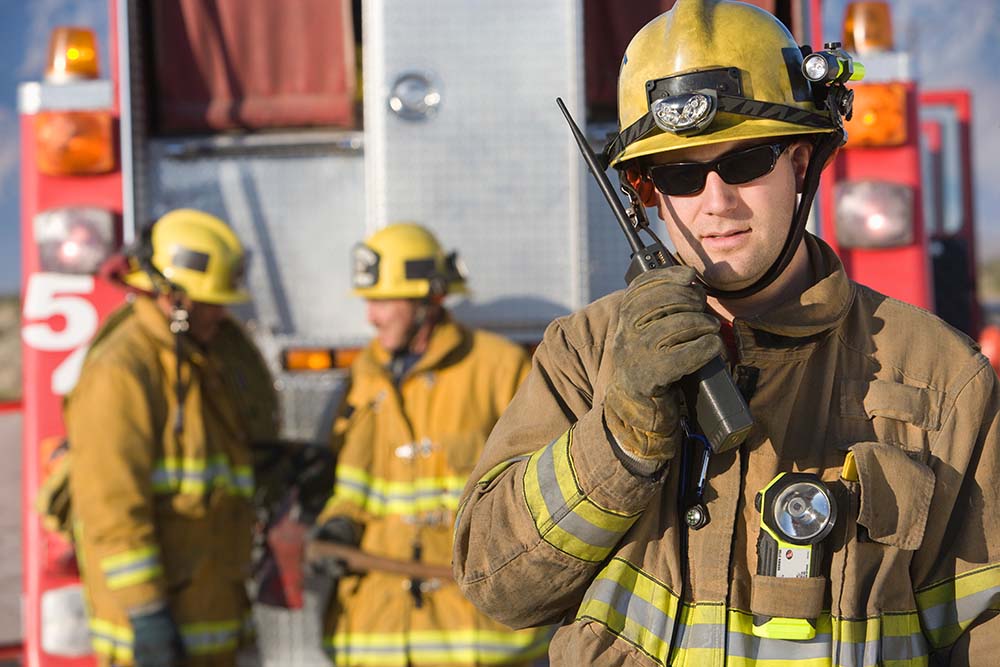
(204, 638)
(640, 610)
(560, 510)
(653, 620)
(913, 647)
(959, 611)
(701, 636)
(148, 563)
(762, 648)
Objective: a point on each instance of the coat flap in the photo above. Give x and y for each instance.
(918, 406)
(896, 494)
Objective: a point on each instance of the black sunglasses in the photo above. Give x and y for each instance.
(736, 167)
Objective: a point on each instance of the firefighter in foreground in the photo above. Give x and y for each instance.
(171, 394)
(424, 395)
(583, 506)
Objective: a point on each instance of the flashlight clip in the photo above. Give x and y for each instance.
(695, 456)
(830, 88)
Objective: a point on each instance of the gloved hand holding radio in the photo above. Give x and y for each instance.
(664, 333)
(157, 640)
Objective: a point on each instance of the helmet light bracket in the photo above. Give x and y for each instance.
(687, 103)
(723, 80)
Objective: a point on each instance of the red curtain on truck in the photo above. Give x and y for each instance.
(252, 64)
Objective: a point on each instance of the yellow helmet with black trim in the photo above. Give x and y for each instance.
(194, 252)
(405, 261)
(711, 71)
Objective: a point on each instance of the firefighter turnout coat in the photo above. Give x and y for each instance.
(553, 527)
(161, 515)
(406, 452)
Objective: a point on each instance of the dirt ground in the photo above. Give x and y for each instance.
(10, 473)
(10, 528)
(10, 348)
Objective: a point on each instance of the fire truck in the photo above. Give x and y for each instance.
(898, 206)
(307, 125)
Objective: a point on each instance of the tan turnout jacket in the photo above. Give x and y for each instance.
(405, 455)
(554, 527)
(166, 517)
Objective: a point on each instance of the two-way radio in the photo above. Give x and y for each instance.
(719, 409)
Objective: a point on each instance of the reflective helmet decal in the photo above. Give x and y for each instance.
(189, 259)
(364, 263)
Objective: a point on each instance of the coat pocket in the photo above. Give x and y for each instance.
(896, 494)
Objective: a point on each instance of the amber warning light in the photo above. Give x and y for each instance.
(73, 142)
(868, 27)
(72, 55)
(318, 359)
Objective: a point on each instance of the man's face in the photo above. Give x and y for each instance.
(394, 320)
(731, 234)
(204, 320)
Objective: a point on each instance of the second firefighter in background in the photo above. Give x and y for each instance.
(424, 396)
(171, 397)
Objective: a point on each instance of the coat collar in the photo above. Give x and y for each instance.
(446, 337)
(820, 308)
(155, 324)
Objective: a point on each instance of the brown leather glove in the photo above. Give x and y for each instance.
(663, 334)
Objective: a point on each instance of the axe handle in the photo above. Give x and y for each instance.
(361, 561)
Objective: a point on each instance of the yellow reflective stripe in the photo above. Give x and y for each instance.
(135, 566)
(381, 496)
(202, 638)
(197, 476)
(644, 612)
(488, 478)
(468, 646)
(633, 606)
(110, 640)
(563, 514)
(211, 637)
(497, 470)
(949, 607)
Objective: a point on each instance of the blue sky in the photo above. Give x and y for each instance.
(957, 48)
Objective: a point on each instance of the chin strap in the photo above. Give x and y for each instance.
(824, 149)
(180, 324)
(822, 152)
(428, 313)
(141, 255)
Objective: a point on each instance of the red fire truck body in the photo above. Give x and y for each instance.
(441, 141)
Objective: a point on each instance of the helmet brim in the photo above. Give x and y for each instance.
(729, 128)
(141, 281)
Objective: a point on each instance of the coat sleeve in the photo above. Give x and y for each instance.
(352, 441)
(509, 377)
(956, 570)
(113, 440)
(549, 499)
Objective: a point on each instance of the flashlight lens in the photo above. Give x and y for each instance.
(816, 67)
(802, 510)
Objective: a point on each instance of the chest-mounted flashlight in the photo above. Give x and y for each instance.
(797, 512)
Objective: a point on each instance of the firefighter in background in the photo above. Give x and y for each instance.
(424, 395)
(585, 507)
(171, 395)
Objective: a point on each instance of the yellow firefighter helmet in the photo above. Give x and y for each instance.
(710, 71)
(194, 252)
(405, 261)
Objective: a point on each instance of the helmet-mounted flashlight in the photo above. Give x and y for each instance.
(797, 512)
(832, 65)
